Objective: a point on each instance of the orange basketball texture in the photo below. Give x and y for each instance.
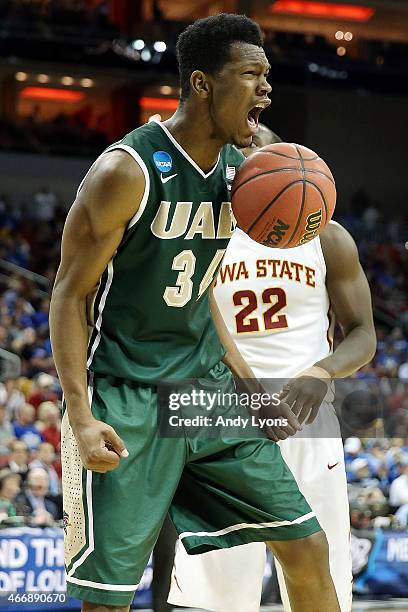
(283, 195)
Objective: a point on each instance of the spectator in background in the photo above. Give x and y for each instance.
(24, 342)
(4, 334)
(45, 459)
(370, 219)
(45, 203)
(43, 391)
(40, 317)
(41, 512)
(399, 488)
(25, 429)
(372, 498)
(360, 473)
(39, 361)
(49, 423)
(360, 519)
(403, 371)
(24, 385)
(402, 516)
(6, 431)
(396, 456)
(11, 396)
(9, 489)
(352, 448)
(400, 343)
(375, 455)
(18, 461)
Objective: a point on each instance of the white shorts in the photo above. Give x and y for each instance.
(231, 579)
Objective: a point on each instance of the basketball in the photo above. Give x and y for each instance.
(283, 195)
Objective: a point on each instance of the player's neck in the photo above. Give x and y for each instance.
(194, 133)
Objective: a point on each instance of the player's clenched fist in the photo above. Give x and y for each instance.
(100, 447)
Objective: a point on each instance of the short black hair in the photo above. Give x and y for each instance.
(204, 45)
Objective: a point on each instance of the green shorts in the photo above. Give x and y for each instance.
(220, 491)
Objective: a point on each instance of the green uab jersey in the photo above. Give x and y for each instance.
(151, 313)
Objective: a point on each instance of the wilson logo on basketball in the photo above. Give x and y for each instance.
(283, 181)
(313, 223)
(276, 235)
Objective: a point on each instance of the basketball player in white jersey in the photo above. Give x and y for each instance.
(279, 306)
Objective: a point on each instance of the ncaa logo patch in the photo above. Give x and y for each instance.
(162, 161)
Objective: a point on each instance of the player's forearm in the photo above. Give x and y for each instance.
(232, 358)
(69, 338)
(235, 362)
(357, 349)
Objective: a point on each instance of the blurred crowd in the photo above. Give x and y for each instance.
(30, 467)
(45, 14)
(377, 473)
(382, 248)
(64, 134)
(53, 16)
(30, 402)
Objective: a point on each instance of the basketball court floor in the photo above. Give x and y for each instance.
(358, 606)
(363, 606)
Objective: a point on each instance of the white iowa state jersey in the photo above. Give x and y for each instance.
(275, 305)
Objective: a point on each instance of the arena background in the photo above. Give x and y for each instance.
(76, 75)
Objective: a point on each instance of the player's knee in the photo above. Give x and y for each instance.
(315, 555)
(306, 559)
(88, 606)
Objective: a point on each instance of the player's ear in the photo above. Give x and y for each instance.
(199, 84)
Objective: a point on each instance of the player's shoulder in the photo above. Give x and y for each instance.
(111, 192)
(115, 165)
(335, 235)
(124, 160)
(338, 245)
(143, 137)
(113, 176)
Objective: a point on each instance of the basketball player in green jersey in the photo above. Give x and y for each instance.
(148, 229)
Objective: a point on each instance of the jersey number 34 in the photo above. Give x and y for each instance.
(185, 263)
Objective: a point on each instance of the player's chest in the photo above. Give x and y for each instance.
(270, 277)
(191, 218)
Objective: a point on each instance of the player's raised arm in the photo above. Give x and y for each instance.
(108, 199)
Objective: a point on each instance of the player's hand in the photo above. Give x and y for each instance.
(280, 411)
(270, 409)
(305, 393)
(99, 446)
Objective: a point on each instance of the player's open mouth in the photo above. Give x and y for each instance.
(253, 116)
